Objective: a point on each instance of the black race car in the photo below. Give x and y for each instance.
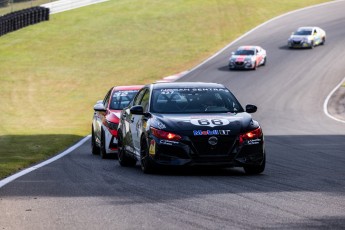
(182, 123)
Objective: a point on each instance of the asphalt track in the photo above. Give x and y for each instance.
(303, 186)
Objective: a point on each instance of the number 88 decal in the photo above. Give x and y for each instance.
(210, 122)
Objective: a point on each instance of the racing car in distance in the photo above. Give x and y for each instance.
(247, 57)
(189, 124)
(307, 37)
(106, 118)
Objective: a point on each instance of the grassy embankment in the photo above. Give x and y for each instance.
(52, 73)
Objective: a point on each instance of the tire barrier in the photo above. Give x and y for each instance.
(22, 18)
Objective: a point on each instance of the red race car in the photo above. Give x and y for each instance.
(106, 118)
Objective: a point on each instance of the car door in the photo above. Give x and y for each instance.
(100, 116)
(317, 36)
(136, 124)
(128, 119)
(259, 55)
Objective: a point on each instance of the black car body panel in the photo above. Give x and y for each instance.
(220, 134)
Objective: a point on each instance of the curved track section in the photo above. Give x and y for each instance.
(302, 187)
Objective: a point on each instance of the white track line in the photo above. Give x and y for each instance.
(325, 110)
(25, 171)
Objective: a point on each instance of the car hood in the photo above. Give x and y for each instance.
(300, 37)
(113, 116)
(241, 58)
(204, 124)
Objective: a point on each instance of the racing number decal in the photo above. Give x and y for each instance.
(210, 122)
(207, 122)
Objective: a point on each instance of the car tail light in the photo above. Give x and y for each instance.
(165, 135)
(254, 134)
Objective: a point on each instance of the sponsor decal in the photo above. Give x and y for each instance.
(171, 91)
(210, 122)
(152, 149)
(160, 125)
(210, 132)
(124, 93)
(167, 142)
(115, 140)
(253, 142)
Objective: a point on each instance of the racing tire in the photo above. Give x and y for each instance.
(255, 169)
(255, 66)
(102, 150)
(123, 158)
(265, 60)
(94, 148)
(312, 45)
(145, 162)
(323, 41)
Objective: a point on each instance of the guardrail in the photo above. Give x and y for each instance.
(19, 19)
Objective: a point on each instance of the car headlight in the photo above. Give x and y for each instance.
(248, 61)
(307, 39)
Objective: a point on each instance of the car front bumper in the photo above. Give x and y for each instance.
(241, 65)
(164, 153)
(299, 44)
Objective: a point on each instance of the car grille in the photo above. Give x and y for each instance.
(239, 63)
(201, 147)
(297, 42)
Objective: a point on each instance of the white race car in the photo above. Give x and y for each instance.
(307, 37)
(247, 57)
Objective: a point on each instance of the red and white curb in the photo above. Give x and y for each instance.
(174, 77)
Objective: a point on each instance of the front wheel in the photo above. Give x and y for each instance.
(94, 148)
(124, 159)
(256, 169)
(323, 41)
(255, 66)
(146, 163)
(103, 151)
(265, 60)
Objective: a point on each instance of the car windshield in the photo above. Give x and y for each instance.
(194, 100)
(303, 32)
(244, 52)
(121, 99)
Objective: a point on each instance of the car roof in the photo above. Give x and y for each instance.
(163, 85)
(127, 87)
(247, 47)
(307, 28)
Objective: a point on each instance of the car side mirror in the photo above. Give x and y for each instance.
(99, 107)
(137, 110)
(251, 108)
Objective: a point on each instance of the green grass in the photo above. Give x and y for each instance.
(53, 72)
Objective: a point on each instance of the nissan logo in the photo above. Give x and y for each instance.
(213, 140)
